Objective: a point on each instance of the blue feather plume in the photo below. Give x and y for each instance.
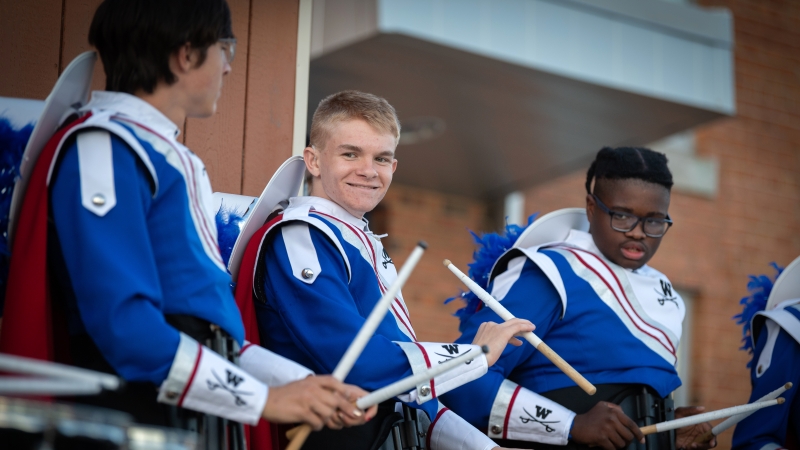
(12, 146)
(490, 247)
(760, 287)
(229, 226)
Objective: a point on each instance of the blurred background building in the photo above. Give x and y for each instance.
(504, 104)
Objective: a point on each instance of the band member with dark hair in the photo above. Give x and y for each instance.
(321, 270)
(583, 277)
(132, 244)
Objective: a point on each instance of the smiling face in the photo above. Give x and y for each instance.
(632, 249)
(355, 166)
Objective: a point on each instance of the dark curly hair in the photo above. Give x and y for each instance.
(624, 163)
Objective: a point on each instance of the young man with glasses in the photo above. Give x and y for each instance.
(583, 278)
(132, 242)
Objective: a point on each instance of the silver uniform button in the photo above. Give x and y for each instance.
(307, 273)
(424, 391)
(98, 200)
(496, 429)
(172, 395)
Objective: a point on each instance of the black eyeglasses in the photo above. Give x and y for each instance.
(624, 222)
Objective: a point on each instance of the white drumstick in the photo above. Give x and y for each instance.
(408, 383)
(506, 315)
(299, 434)
(731, 421)
(28, 366)
(705, 417)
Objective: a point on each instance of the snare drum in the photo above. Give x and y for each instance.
(27, 424)
(159, 438)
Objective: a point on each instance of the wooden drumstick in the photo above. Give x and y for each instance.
(733, 420)
(705, 417)
(364, 335)
(506, 315)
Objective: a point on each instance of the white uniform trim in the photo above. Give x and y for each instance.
(520, 414)
(181, 371)
(777, 319)
(449, 431)
(301, 214)
(772, 447)
(211, 384)
(611, 283)
(301, 252)
(270, 368)
(198, 188)
(765, 360)
(503, 282)
(101, 120)
(96, 167)
(423, 355)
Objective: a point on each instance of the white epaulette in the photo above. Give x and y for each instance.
(98, 193)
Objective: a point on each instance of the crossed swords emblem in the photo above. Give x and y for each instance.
(531, 418)
(232, 379)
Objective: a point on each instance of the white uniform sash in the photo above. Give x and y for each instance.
(369, 247)
(644, 299)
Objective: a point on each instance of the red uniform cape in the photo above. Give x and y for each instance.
(265, 435)
(27, 319)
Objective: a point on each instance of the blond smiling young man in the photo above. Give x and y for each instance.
(323, 270)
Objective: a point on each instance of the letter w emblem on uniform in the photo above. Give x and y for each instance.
(541, 413)
(451, 348)
(234, 379)
(453, 351)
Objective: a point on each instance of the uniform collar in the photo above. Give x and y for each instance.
(328, 207)
(134, 108)
(584, 241)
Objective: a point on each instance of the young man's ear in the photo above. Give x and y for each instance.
(184, 59)
(311, 158)
(589, 207)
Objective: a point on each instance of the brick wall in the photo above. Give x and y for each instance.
(715, 243)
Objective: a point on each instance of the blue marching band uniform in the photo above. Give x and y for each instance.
(774, 338)
(125, 185)
(613, 325)
(122, 184)
(324, 272)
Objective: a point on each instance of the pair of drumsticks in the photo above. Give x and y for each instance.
(299, 434)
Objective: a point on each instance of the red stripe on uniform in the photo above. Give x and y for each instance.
(194, 201)
(191, 377)
(430, 428)
(669, 348)
(365, 241)
(427, 363)
(508, 412)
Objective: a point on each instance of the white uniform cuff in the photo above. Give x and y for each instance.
(520, 414)
(423, 355)
(449, 431)
(202, 380)
(270, 368)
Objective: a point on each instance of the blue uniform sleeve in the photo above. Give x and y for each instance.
(770, 425)
(112, 269)
(532, 297)
(319, 320)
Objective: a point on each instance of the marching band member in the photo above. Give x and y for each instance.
(772, 328)
(133, 253)
(321, 270)
(582, 276)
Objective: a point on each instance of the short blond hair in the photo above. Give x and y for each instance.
(348, 105)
